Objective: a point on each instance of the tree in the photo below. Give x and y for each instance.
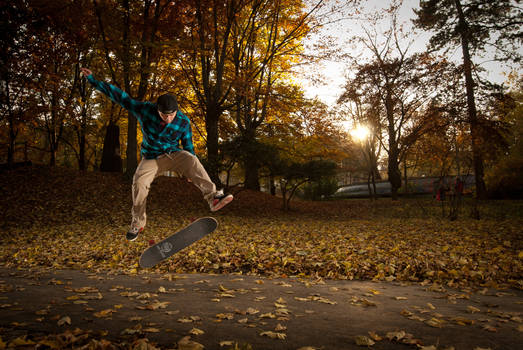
(231, 51)
(56, 80)
(294, 174)
(476, 26)
(137, 51)
(504, 174)
(395, 87)
(205, 46)
(14, 72)
(266, 41)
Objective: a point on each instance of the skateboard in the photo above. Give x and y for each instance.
(177, 241)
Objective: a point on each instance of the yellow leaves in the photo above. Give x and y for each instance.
(104, 313)
(225, 316)
(489, 328)
(226, 343)
(363, 340)
(462, 321)
(20, 341)
(274, 335)
(397, 335)
(435, 322)
(66, 320)
(151, 330)
(185, 320)
(473, 309)
(158, 305)
(187, 344)
(252, 311)
(196, 331)
(143, 344)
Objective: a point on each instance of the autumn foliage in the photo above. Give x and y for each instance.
(69, 219)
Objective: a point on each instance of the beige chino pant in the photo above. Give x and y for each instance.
(181, 162)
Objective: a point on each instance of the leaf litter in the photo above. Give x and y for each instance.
(377, 250)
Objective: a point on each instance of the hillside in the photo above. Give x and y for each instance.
(63, 218)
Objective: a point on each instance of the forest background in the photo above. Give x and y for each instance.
(236, 67)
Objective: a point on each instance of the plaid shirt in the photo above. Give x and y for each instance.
(158, 137)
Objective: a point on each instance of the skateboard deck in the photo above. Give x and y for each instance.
(177, 241)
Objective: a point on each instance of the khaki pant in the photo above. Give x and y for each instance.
(181, 162)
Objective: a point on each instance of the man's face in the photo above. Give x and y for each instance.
(167, 117)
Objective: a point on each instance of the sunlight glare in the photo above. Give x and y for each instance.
(360, 133)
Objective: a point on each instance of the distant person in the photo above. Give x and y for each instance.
(459, 186)
(164, 128)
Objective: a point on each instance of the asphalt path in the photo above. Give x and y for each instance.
(218, 311)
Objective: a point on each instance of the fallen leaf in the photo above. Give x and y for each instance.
(489, 328)
(66, 320)
(274, 335)
(363, 340)
(187, 344)
(398, 335)
(104, 313)
(280, 328)
(252, 311)
(225, 316)
(151, 330)
(435, 322)
(20, 341)
(374, 336)
(473, 309)
(462, 321)
(196, 331)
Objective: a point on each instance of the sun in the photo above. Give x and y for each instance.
(360, 133)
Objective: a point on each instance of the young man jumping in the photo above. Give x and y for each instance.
(164, 128)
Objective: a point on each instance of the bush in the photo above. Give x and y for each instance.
(324, 187)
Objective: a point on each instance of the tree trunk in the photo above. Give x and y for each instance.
(272, 186)
(252, 180)
(12, 139)
(81, 156)
(211, 126)
(393, 163)
(11, 121)
(132, 123)
(477, 152)
(111, 159)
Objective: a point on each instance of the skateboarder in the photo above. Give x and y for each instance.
(164, 127)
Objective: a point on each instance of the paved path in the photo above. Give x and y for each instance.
(265, 313)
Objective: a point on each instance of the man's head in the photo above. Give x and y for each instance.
(167, 104)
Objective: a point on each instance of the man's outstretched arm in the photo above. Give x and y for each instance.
(114, 93)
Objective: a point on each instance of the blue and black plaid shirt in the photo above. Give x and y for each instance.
(158, 137)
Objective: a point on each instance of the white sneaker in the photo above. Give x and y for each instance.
(133, 233)
(220, 200)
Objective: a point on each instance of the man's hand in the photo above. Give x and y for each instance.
(86, 72)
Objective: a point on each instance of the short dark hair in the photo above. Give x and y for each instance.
(167, 103)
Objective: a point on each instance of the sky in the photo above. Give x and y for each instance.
(335, 70)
